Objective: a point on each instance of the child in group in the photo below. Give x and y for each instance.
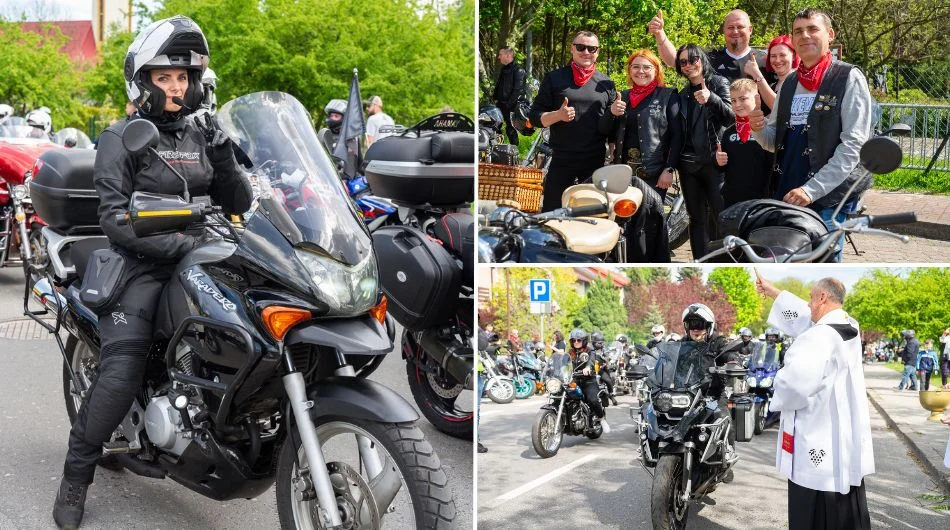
(747, 165)
(926, 363)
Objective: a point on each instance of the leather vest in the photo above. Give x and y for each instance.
(823, 129)
(652, 129)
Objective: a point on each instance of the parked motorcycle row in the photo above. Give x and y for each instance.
(267, 332)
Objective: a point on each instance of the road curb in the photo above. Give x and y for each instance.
(932, 471)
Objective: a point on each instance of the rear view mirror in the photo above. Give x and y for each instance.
(139, 135)
(898, 129)
(613, 179)
(881, 155)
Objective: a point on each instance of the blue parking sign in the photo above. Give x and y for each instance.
(540, 290)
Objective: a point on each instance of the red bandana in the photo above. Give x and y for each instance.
(639, 93)
(582, 75)
(810, 78)
(744, 128)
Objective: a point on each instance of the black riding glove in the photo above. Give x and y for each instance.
(219, 147)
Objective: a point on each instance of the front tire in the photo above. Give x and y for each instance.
(760, 415)
(424, 492)
(524, 387)
(84, 360)
(667, 510)
(546, 435)
(502, 392)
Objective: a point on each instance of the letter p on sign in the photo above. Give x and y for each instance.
(540, 290)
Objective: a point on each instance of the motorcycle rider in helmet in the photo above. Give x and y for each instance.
(598, 348)
(336, 112)
(41, 122)
(657, 331)
(209, 83)
(699, 323)
(773, 338)
(5, 112)
(582, 359)
(162, 71)
(746, 349)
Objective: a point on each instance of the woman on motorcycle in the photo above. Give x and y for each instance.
(600, 354)
(582, 360)
(163, 71)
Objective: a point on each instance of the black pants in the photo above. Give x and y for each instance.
(126, 335)
(510, 130)
(608, 380)
(702, 191)
(565, 171)
(925, 379)
(591, 389)
(810, 509)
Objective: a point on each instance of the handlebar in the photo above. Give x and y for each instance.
(892, 219)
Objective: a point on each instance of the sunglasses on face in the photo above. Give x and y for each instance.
(689, 60)
(586, 47)
(577, 341)
(695, 325)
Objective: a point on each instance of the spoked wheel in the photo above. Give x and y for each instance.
(546, 434)
(502, 391)
(669, 511)
(410, 492)
(760, 415)
(524, 387)
(85, 362)
(443, 400)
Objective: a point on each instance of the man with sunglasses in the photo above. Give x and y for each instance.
(582, 360)
(570, 102)
(728, 61)
(509, 89)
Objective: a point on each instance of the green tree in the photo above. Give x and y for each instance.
(603, 309)
(740, 290)
(886, 302)
(686, 273)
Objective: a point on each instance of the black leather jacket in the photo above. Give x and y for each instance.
(118, 173)
(704, 124)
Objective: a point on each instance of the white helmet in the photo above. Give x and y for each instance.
(40, 119)
(5, 111)
(175, 42)
(336, 105)
(209, 83)
(657, 328)
(699, 312)
(674, 337)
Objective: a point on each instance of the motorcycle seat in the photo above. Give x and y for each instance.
(586, 238)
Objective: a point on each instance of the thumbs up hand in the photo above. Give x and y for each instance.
(655, 27)
(702, 95)
(757, 120)
(721, 157)
(619, 106)
(566, 113)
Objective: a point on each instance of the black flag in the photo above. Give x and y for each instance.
(353, 129)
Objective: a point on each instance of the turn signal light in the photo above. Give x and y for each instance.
(572, 385)
(379, 310)
(625, 208)
(279, 319)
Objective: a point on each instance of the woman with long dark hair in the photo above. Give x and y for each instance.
(704, 113)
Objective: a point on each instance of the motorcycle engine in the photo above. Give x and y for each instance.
(578, 420)
(164, 427)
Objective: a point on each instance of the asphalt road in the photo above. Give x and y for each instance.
(34, 430)
(599, 483)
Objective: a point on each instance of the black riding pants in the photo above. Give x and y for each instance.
(591, 389)
(702, 191)
(126, 335)
(510, 130)
(564, 172)
(608, 380)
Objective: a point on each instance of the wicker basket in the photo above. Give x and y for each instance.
(522, 184)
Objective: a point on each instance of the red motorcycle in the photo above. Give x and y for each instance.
(20, 227)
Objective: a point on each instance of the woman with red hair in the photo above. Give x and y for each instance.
(781, 60)
(642, 123)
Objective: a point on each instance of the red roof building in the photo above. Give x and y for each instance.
(81, 44)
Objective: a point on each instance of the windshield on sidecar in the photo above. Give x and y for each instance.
(763, 357)
(680, 365)
(297, 185)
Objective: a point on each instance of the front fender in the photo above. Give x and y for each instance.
(359, 398)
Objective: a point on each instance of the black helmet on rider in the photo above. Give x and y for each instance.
(335, 111)
(519, 119)
(175, 42)
(698, 317)
(623, 339)
(597, 339)
(772, 335)
(578, 335)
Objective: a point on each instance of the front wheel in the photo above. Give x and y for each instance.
(439, 396)
(501, 391)
(667, 508)
(411, 491)
(546, 434)
(760, 415)
(524, 387)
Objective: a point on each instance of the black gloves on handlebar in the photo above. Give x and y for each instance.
(219, 147)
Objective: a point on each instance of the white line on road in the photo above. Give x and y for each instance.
(524, 488)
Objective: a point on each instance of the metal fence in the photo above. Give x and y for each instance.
(930, 130)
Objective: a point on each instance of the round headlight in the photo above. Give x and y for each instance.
(19, 191)
(553, 385)
(663, 402)
(751, 381)
(767, 382)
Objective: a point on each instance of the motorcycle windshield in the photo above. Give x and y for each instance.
(12, 131)
(298, 187)
(77, 138)
(764, 356)
(679, 365)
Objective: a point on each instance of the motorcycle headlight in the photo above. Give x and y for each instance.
(554, 385)
(20, 192)
(681, 401)
(767, 382)
(348, 290)
(751, 381)
(663, 402)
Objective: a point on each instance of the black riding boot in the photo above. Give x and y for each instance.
(68, 508)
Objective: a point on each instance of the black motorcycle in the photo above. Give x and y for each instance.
(429, 279)
(682, 442)
(508, 235)
(264, 337)
(566, 412)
